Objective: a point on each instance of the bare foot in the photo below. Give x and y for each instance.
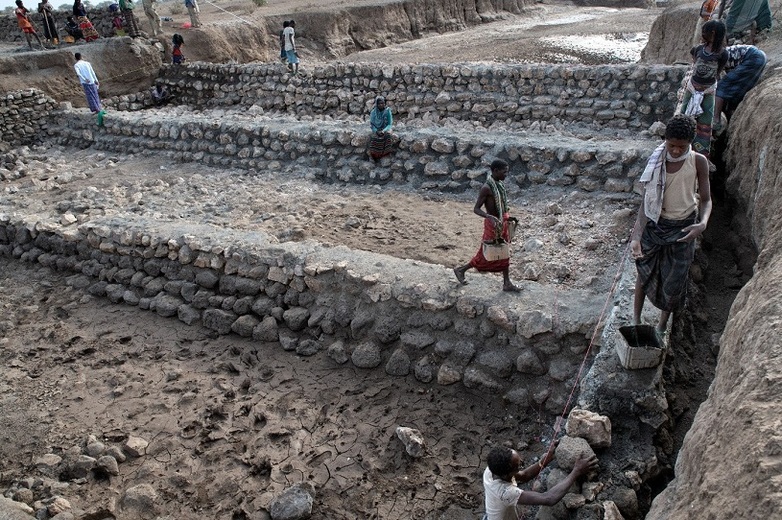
(460, 276)
(511, 288)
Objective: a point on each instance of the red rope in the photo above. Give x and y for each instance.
(561, 418)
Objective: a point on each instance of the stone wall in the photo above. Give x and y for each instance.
(336, 151)
(21, 115)
(354, 307)
(633, 96)
(10, 32)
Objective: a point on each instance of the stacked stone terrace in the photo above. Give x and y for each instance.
(632, 96)
(21, 115)
(371, 310)
(556, 125)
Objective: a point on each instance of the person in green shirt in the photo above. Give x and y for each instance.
(131, 25)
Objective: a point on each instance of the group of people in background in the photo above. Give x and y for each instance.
(79, 27)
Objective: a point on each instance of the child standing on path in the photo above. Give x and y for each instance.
(292, 56)
(708, 60)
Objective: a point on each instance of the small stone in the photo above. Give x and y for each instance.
(337, 353)
(594, 428)
(139, 502)
(591, 244)
(448, 375)
(135, 446)
(294, 503)
(24, 495)
(570, 449)
(590, 490)
(553, 208)
(95, 449)
(412, 439)
(116, 453)
(366, 355)
(67, 219)
(611, 512)
(533, 245)
(573, 500)
(57, 506)
(108, 464)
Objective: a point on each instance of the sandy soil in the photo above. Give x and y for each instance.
(552, 33)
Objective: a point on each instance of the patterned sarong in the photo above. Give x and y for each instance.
(91, 93)
(131, 25)
(380, 146)
(87, 29)
(664, 268)
(702, 142)
(479, 262)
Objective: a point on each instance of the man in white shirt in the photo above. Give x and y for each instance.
(89, 81)
(502, 474)
(289, 35)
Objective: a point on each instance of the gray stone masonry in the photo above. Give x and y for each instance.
(437, 158)
(617, 96)
(21, 114)
(407, 318)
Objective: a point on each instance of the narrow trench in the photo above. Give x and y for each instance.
(722, 266)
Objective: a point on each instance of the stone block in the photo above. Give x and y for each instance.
(366, 355)
(218, 320)
(594, 428)
(398, 364)
(571, 449)
(266, 330)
